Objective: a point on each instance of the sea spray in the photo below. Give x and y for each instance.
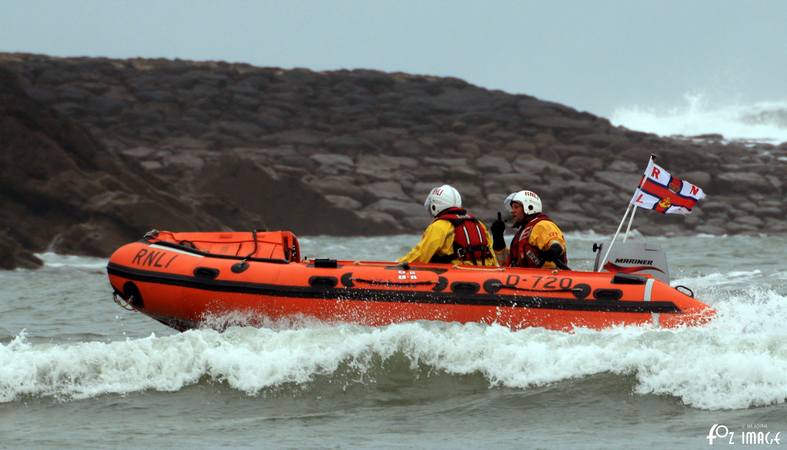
(760, 121)
(737, 361)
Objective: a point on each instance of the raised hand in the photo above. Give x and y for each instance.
(498, 229)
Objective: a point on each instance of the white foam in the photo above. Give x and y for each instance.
(718, 279)
(57, 260)
(738, 361)
(761, 121)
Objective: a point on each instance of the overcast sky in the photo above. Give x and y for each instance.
(591, 55)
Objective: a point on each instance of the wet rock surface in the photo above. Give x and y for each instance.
(96, 151)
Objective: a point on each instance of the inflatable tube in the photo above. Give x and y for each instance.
(180, 279)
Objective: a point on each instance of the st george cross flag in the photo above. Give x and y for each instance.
(665, 193)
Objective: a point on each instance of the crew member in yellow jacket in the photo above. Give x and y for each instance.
(454, 236)
(538, 242)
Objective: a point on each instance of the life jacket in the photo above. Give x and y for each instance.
(523, 254)
(470, 241)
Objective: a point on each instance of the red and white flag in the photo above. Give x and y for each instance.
(665, 193)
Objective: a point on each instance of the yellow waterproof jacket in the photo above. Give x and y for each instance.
(438, 239)
(544, 234)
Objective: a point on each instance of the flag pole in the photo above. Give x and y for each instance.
(616, 234)
(651, 158)
(631, 219)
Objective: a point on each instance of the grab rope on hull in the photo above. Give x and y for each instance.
(125, 304)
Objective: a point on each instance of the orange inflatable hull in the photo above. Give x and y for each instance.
(183, 279)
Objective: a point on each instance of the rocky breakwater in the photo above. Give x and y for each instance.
(62, 190)
(369, 146)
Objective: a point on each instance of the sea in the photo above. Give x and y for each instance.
(77, 371)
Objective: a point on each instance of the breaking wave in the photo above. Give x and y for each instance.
(761, 121)
(738, 361)
(57, 260)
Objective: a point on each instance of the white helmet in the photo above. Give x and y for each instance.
(442, 198)
(529, 200)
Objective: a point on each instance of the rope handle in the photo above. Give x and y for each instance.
(125, 304)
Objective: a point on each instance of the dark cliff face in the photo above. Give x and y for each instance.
(62, 190)
(96, 151)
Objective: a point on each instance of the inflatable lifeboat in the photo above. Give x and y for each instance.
(181, 279)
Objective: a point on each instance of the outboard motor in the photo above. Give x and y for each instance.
(633, 258)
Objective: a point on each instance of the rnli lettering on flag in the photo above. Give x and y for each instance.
(665, 193)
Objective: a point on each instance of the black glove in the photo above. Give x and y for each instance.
(554, 252)
(498, 228)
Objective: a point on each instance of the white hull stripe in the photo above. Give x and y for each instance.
(648, 290)
(647, 296)
(170, 249)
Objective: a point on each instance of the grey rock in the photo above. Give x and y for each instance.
(597, 140)
(416, 223)
(297, 172)
(743, 207)
(240, 129)
(107, 105)
(716, 207)
(740, 181)
(397, 208)
(547, 170)
(372, 164)
(444, 162)
(151, 165)
(770, 211)
(565, 151)
(332, 159)
(180, 142)
(569, 221)
(496, 164)
(511, 182)
(346, 142)
(470, 191)
(583, 164)
(776, 182)
(521, 147)
(408, 147)
(624, 181)
(297, 137)
(386, 189)
(570, 206)
(185, 161)
(755, 222)
(775, 225)
(735, 227)
(427, 172)
(620, 165)
(344, 202)
(495, 199)
(420, 189)
(380, 219)
(698, 178)
(587, 189)
(469, 148)
(138, 152)
(335, 185)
